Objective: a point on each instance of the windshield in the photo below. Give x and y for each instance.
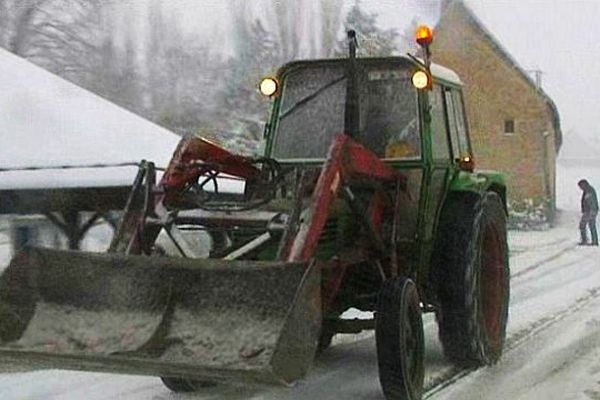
(312, 112)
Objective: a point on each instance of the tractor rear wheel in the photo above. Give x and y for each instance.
(400, 340)
(473, 279)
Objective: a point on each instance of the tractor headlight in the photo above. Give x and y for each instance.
(268, 86)
(421, 79)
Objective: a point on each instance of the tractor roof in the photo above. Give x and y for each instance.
(445, 74)
(439, 72)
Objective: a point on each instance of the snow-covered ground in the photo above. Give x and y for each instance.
(552, 351)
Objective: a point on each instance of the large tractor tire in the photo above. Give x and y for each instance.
(472, 279)
(325, 340)
(400, 340)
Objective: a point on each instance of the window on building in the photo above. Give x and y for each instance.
(509, 126)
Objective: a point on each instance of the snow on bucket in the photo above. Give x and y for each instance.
(160, 316)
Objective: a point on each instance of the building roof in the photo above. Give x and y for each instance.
(478, 25)
(47, 121)
(63, 146)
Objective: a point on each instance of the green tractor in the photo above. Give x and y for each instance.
(366, 198)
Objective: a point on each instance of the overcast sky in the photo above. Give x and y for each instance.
(562, 38)
(559, 37)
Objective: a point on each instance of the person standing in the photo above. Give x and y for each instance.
(589, 212)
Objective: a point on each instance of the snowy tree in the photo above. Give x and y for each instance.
(78, 40)
(256, 54)
(373, 41)
(331, 15)
(253, 60)
(304, 28)
(182, 75)
(125, 77)
(18, 23)
(74, 39)
(282, 32)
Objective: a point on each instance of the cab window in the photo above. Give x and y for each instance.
(461, 126)
(450, 113)
(457, 123)
(389, 107)
(439, 131)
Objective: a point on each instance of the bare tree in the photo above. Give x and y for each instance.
(182, 75)
(305, 28)
(76, 39)
(17, 23)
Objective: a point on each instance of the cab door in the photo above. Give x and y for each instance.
(436, 172)
(439, 165)
(450, 146)
(457, 125)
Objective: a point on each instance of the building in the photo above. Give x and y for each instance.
(68, 157)
(514, 125)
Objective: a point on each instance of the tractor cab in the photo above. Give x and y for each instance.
(310, 99)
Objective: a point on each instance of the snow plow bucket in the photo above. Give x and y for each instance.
(197, 319)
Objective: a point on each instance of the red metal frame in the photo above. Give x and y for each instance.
(184, 167)
(347, 161)
(192, 158)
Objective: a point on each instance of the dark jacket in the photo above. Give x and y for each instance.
(589, 200)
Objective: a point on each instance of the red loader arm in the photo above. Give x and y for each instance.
(347, 161)
(193, 158)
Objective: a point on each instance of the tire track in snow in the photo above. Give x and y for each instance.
(343, 339)
(453, 374)
(515, 340)
(521, 250)
(543, 262)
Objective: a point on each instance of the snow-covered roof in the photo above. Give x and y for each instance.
(444, 73)
(47, 121)
(440, 72)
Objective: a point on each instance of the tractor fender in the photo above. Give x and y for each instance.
(478, 183)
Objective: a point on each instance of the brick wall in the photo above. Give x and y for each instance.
(494, 92)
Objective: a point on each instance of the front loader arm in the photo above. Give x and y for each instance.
(347, 162)
(193, 158)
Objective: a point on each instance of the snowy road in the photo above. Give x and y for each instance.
(553, 345)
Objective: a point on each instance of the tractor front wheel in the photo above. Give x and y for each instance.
(179, 385)
(400, 340)
(182, 385)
